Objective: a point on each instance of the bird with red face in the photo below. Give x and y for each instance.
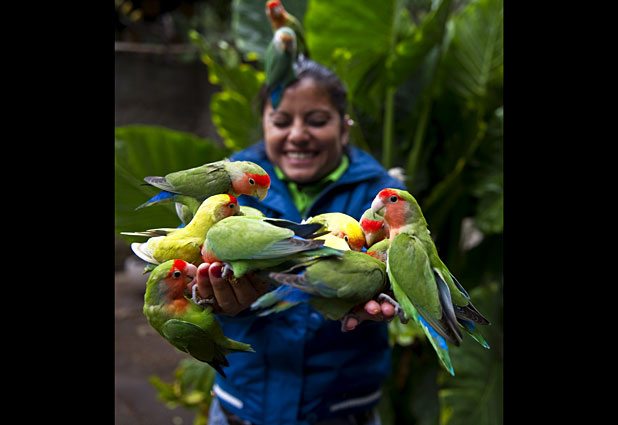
(280, 17)
(188, 327)
(421, 282)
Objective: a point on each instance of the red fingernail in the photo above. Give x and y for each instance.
(216, 270)
(203, 272)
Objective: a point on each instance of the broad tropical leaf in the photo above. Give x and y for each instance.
(142, 151)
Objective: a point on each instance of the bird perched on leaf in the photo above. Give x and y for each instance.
(374, 228)
(280, 17)
(189, 188)
(279, 64)
(185, 243)
(188, 327)
(247, 243)
(341, 226)
(421, 282)
(332, 285)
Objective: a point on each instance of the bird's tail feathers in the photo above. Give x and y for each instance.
(142, 251)
(161, 197)
(471, 330)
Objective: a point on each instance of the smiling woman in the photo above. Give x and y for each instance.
(306, 134)
(304, 369)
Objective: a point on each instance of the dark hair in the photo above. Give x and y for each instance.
(324, 77)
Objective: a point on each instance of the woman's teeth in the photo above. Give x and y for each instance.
(300, 155)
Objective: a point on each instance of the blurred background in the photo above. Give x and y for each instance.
(425, 83)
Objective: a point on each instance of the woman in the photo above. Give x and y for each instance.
(305, 369)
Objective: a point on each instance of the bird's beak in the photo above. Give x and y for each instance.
(261, 194)
(191, 272)
(377, 205)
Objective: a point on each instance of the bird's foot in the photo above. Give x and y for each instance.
(344, 321)
(199, 300)
(398, 310)
(227, 269)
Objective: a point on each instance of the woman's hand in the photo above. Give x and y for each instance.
(371, 310)
(230, 295)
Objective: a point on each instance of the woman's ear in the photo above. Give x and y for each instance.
(345, 129)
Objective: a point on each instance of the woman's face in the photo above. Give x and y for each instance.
(304, 136)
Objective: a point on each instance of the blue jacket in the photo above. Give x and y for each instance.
(304, 368)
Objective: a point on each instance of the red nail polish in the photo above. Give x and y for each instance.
(203, 272)
(216, 270)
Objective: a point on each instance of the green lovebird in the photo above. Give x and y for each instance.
(342, 226)
(279, 64)
(421, 282)
(332, 285)
(374, 227)
(279, 17)
(185, 243)
(189, 188)
(189, 328)
(248, 243)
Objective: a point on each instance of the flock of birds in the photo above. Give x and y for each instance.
(331, 261)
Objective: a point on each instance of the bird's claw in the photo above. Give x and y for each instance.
(344, 322)
(199, 300)
(227, 269)
(398, 310)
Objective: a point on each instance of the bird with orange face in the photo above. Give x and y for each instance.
(422, 284)
(188, 327)
(189, 188)
(185, 243)
(347, 230)
(280, 17)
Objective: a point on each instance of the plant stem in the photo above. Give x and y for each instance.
(387, 139)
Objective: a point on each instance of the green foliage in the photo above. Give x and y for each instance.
(190, 388)
(152, 151)
(234, 109)
(474, 394)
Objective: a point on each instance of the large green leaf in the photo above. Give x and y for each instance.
(474, 62)
(475, 394)
(142, 151)
(234, 110)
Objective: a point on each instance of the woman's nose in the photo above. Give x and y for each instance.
(298, 133)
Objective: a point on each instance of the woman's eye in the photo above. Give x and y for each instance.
(281, 124)
(317, 123)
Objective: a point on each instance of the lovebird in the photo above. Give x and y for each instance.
(332, 285)
(279, 64)
(189, 188)
(188, 327)
(279, 17)
(421, 282)
(185, 243)
(247, 243)
(342, 226)
(374, 227)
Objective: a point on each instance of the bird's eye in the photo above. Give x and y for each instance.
(345, 238)
(251, 181)
(232, 206)
(176, 274)
(393, 198)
